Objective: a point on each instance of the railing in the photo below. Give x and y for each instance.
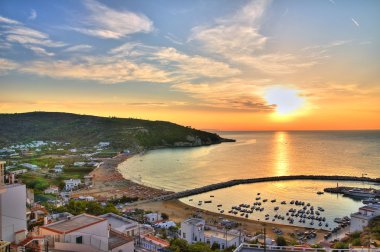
(254, 247)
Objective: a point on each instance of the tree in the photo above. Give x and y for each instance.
(199, 247)
(341, 245)
(280, 240)
(179, 245)
(165, 216)
(215, 246)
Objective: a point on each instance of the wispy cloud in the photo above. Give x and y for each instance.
(173, 39)
(8, 20)
(180, 65)
(332, 1)
(33, 14)
(355, 22)
(231, 94)
(105, 22)
(237, 33)
(15, 31)
(238, 39)
(40, 51)
(7, 65)
(78, 48)
(195, 66)
(106, 70)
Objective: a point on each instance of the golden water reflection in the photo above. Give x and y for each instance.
(281, 153)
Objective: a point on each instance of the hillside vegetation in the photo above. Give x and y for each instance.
(84, 130)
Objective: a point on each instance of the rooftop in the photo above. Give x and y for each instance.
(116, 240)
(156, 240)
(118, 222)
(194, 221)
(74, 223)
(220, 234)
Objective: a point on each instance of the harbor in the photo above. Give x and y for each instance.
(295, 203)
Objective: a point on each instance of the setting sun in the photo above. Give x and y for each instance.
(287, 101)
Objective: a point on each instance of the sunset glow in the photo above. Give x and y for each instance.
(224, 65)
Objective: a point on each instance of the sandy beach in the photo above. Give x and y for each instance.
(179, 211)
(109, 183)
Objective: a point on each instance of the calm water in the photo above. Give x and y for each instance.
(259, 154)
(262, 154)
(334, 205)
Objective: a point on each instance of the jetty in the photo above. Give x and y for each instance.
(235, 182)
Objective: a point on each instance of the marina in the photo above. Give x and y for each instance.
(287, 202)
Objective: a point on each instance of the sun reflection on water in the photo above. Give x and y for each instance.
(281, 153)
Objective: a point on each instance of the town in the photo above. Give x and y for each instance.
(48, 203)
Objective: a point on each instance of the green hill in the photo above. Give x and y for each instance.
(84, 130)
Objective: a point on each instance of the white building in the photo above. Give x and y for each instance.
(12, 212)
(30, 166)
(224, 239)
(121, 224)
(153, 217)
(165, 224)
(52, 190)
(19, 171)
(70, 184)
(79, 164)
(194, 230)
(360, 219)
(86, 233)
(58, 168)
(103, 144)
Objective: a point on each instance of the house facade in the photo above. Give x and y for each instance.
(361, 219)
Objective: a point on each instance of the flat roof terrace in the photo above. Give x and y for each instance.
(73, 223)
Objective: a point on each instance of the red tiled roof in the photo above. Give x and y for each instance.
(153, 238)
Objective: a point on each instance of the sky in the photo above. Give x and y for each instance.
(215, 64)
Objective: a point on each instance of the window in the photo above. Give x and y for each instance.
(184, 235)
(79, 240)
(195, 238)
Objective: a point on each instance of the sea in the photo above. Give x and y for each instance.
(262, 154)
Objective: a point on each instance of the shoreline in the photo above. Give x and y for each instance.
(179, 211)
(109, 183)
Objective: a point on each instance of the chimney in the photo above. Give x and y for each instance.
(45, 220)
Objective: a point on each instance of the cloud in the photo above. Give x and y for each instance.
(277, 63)
(107, 23)
(181, 65)
(8, 21)
(195, 66)
(33, 14)
(355, 22)
(78, 48)
(7, 65)
(40, 51)
(15, 31)
(332, 1)
(234, 34)
(237, 38)
(106, 70)
(232, 94)
(173, 39)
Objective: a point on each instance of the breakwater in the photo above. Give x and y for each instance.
(235, 182)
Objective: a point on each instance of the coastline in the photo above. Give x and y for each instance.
(109, 183)
(179, 211)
